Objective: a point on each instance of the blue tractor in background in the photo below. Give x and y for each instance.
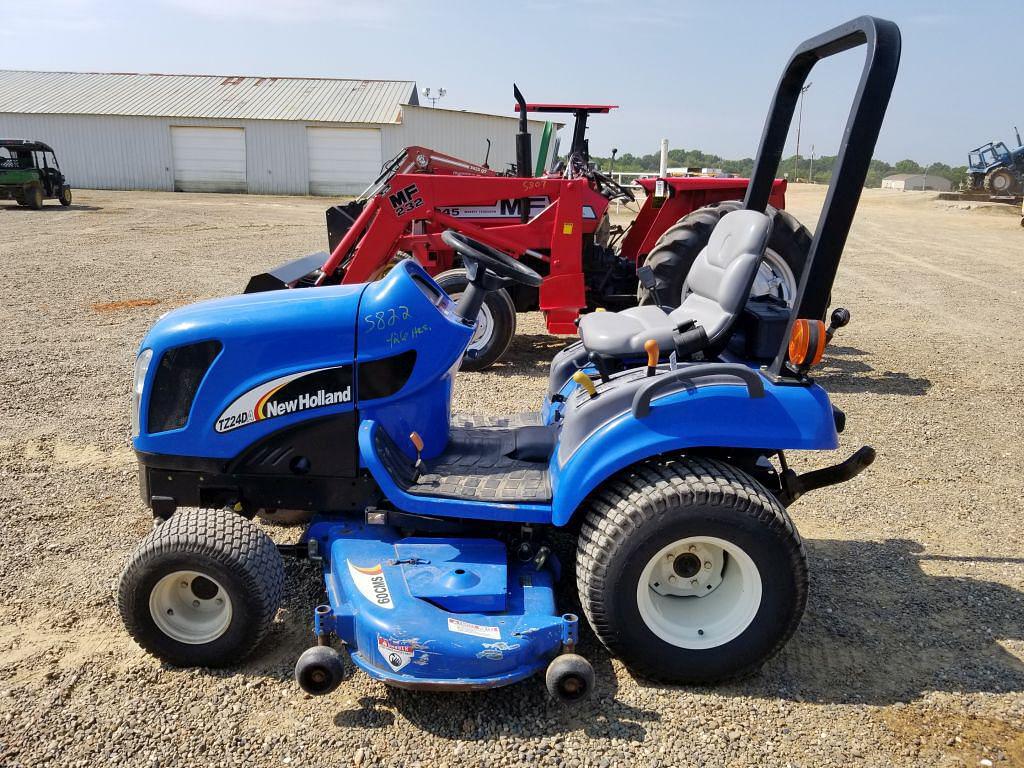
(995, 168)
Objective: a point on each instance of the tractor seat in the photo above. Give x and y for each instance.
(715, 292)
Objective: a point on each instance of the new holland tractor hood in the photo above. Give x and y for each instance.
(263, 360)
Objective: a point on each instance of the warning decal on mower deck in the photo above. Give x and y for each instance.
(372, 584)
(477, 630)
(289, 394)
(396, 654)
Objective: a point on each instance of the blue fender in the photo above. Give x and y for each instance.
(720, 416)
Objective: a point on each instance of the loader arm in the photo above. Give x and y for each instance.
(410, 214)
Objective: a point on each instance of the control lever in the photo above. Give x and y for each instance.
(653, 353)
(417, 443)
(646, 277)
(840, 318)
(602, 367)
(585, 382)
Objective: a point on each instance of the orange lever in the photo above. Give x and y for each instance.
(653, 353)
(417, 443)
(584, 381)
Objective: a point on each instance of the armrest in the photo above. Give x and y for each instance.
(657, 384)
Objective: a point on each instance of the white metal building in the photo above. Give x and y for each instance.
(916, 181)
(262, 135)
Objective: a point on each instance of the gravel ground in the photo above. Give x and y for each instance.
(911, 650)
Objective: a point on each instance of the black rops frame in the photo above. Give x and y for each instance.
(881, 63)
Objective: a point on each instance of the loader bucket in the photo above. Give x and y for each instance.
(287, 275)
(340, 219)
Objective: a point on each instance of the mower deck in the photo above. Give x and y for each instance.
(436, 613)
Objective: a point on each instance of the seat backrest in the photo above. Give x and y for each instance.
(717, 287)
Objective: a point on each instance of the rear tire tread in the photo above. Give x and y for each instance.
(643, 493)
(675, 251)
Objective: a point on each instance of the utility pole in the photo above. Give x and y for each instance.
(799, 123)
(810, 176)
(439, 94)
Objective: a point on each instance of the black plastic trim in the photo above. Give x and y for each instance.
(642, 399)
(175, 383)
(883, 43)
(384, 377)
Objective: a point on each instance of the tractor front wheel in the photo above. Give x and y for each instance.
(65, 196)
(202, 589)
(690, 571)
(676, 250)
(495, 325)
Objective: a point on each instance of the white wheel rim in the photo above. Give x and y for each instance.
(190, 607)
(484, 329)
(1000, 182)
(699, 592)
(774, 278)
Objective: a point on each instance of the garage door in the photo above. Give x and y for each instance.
(342, 161)
(208, 159)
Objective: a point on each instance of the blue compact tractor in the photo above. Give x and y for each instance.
(661, 447)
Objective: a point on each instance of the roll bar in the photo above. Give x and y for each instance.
(881, 62)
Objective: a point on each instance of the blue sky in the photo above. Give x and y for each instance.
(698, 73)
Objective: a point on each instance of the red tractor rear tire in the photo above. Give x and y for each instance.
(675, 251)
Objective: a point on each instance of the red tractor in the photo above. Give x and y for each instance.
(560, 224)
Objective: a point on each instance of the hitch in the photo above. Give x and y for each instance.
(794, 486)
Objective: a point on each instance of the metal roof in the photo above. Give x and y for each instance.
(206, 96)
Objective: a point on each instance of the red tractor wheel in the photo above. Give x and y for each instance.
(496, 324)
(676, 250)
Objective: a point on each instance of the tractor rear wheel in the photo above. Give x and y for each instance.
(690, 571)
(1001, 181)
(675, 251)
(202, 588)
(495, 325)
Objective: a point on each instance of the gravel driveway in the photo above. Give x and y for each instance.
(911, 650)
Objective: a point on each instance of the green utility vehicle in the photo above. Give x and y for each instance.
(29, 174)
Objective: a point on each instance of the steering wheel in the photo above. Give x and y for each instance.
(614, 189)
(491, 259)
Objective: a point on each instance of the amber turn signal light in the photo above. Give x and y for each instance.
(807, 342)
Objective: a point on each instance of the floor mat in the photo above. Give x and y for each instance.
(474, 467)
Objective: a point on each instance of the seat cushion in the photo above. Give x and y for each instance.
(618, 334)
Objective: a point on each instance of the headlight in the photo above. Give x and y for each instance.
(141, 368)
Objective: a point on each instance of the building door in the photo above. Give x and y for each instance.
(208, 159)
(342, 161)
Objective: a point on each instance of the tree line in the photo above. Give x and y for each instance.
(793, 167)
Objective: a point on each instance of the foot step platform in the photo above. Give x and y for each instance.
(476, 466)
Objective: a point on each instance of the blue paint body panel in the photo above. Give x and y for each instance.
(270, 335)
(407, 640)
(264, 336)
(721, 416)
(395, 315)
(465, 578)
